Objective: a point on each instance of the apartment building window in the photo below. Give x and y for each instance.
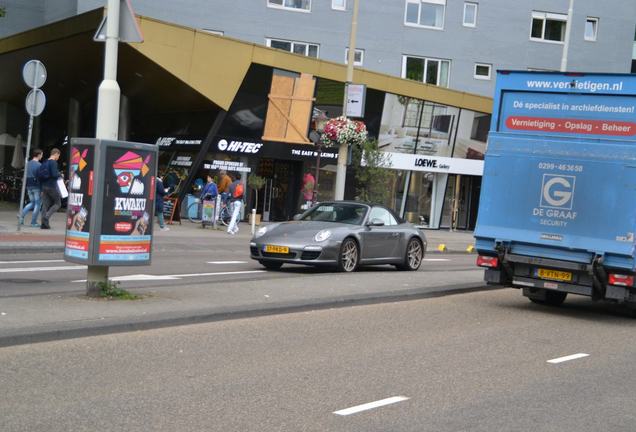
(470, 14)
(302, 48)
(339, 4)
(425, 13)
(548, 26)
(591, 28)
(426, 70)
(297, 5)
(214, 32)
(482, 71)
(358, 57)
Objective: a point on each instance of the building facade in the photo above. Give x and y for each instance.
(453, 43)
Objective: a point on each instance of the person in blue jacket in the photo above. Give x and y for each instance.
(210, 191)
(160, 192)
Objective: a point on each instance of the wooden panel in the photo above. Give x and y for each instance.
(301, 106)
(278, 108)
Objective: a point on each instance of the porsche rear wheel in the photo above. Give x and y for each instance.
(413, 257)
(271, 265)
(349, 256)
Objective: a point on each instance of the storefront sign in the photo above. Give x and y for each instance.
(275, 150)
(78, 222)
(402, 161)
(226, 165)
(164, 142)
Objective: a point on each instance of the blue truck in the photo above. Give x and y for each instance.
(557, 211)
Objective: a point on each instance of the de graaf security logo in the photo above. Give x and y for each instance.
(557, 191)
(239, 146)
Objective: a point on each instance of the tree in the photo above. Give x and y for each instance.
(256, 183)
(372, 174)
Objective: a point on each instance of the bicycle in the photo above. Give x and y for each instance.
(195, 212)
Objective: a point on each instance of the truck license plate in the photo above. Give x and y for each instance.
(276, 249)
(554, 275)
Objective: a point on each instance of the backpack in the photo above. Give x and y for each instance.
(238, 191)
(44, 172)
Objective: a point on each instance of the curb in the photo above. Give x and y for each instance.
(164, 320)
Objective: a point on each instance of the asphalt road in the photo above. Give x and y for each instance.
(470, 362)
(184, 264)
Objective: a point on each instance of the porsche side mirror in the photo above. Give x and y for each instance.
(297, 217)
(375, 222)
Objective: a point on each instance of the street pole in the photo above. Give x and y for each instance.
(341, 172)
(566, 44)
(107, 117)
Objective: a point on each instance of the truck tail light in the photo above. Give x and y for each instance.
(621, 280)
(487, 261)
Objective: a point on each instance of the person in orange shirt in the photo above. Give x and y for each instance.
(224, 182)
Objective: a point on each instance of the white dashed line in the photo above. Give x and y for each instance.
(142, 277)
(568, 358)
(435, 259)
(370, 405)
(227, 262)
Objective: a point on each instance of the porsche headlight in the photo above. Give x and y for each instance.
(322, 235)
(260, 231)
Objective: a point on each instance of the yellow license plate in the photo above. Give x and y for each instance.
(276, 249)
(554, 275)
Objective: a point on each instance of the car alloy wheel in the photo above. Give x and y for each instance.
(348, 256)
(414, 254)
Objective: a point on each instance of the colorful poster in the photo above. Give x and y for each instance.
(128, 205)
(80, 189)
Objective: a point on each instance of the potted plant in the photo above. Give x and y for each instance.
(256, 182)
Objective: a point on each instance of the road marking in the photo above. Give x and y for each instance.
(436, 259)
(36, 269)
(142, 277)
(370, 405)
(32, 262)
(567, 358)
(227, 262)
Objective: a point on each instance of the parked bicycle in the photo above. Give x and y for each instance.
(195, 211)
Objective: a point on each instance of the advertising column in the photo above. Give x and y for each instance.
(78, 220)
(128, 206)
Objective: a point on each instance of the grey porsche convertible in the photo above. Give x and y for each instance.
(341, 234)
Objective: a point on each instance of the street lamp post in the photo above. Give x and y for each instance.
(566, 43)
(341, 172)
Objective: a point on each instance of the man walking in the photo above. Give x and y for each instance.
(236, 203)
(48, 174)
(33, 189)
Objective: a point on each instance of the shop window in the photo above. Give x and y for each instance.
(470, 14)
(295, 5)
(481, 126)
(548, 27)
(427, 70)
(358, 57)
(482, 71)
(425, 13)
(302, 48)
(591, 28)
(339, 4)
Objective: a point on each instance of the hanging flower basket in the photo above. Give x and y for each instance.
(342, 130)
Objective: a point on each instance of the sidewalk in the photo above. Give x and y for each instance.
(35, 240)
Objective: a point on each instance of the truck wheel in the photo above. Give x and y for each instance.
(552, 298)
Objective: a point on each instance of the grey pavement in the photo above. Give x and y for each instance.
(39, 303)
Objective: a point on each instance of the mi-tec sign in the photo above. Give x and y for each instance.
(411, 162)
(430, 163)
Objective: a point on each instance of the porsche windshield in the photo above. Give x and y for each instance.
(352, 214)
